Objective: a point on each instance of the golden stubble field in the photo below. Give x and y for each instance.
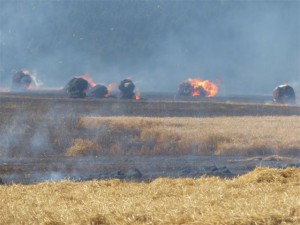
(180, 136)
(263, 196)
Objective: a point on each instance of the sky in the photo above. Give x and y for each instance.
(251, 46)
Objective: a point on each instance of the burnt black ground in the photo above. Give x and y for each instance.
(28, 170)
(148, 96)
(57, 167)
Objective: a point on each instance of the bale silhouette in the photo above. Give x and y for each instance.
(98, 91)
(127, 89)
(186, 89)
(77, 87)
(22, 80)
(284, 94)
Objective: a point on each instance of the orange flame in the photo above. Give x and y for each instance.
(109, 88)
(137, 95)
(210, 88)
(88, 79)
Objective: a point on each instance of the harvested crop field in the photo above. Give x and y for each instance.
(263, 196)
(184, 135)
(160, 160)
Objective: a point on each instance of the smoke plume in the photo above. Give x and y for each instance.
(251, 45)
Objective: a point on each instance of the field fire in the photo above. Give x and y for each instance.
(58, 159)
(150, 112)
(84, 86)
(126, 88)
(200, 148)
(197, 87)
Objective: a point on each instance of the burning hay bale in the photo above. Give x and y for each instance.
(185, 88)
(127, 89)
(197, 87)
(84, 86)
(284, 94)
(77, 87)
(98, 91)
(22, 81)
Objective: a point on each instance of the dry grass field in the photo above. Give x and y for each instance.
(181, 136)
(263, 196)
(47, 126)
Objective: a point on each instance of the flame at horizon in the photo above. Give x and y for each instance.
(137, 95)
(88, 79)
(110, 87)
(198, 87)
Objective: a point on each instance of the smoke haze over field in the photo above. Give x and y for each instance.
(251, 45)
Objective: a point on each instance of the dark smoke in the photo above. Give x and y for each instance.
(251, 45)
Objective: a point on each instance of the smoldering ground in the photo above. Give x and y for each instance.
(51, 138)
(251, 45)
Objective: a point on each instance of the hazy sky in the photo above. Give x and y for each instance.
(251, 45)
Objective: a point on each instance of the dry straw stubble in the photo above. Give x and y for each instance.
(203, 136)
(264, 196)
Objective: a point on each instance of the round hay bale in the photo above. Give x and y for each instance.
(185, 88)
(284, 94)
(127, 89)
(21, 80)
(77, 87)
(98, 91)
